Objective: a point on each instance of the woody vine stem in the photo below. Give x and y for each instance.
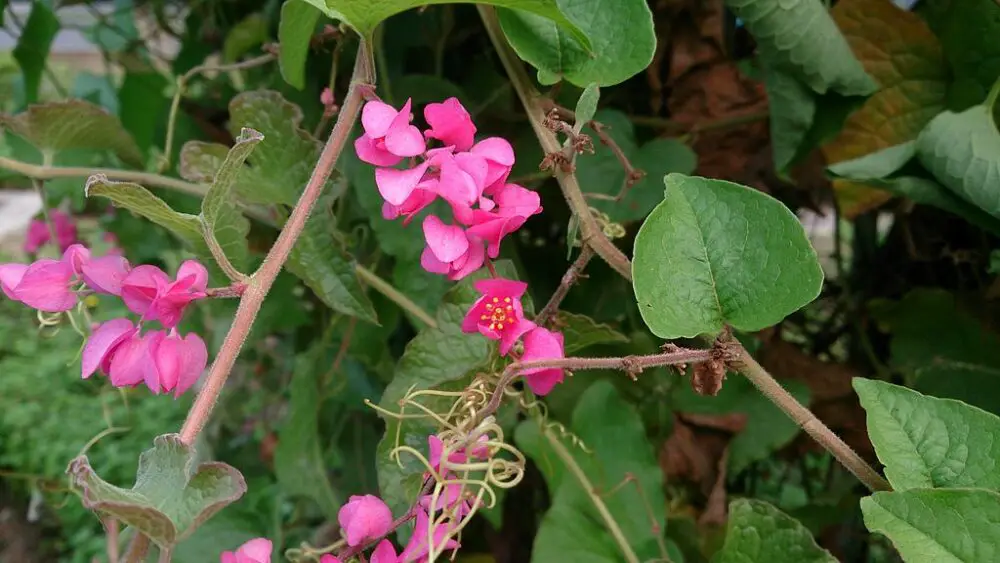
(593, 236)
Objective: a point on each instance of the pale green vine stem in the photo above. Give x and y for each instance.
(181, 85)
(588, 488)
(594, 237)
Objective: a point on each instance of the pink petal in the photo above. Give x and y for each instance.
(470, 323)
(543, 382)
(130, 361)
(418, 200)
(151, 374)
(430, 263)
(476, 167)
(46, 286)
(259, 550)
(376, 117)
(406, 141)
(76, 256)
(383, 553)
(493, 231)
(102, 343)
(169, 308)
(500, 287)
(500, 156)
(142, 286)
(228, 557)
(418, 548)
(447, 242)
(456, 185)
(106, 274)
(397, 185)
(402, 119)
(514, 200)
(65, 229)
(472, 261)
(197, 274)
(10, 276)
(327, 558)
(364, 518)
(541, 344)
(38, 234)
(450, 123)
(189, 355)
(514, 332)
(369, 151)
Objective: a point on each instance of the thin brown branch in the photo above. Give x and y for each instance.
(569, 278)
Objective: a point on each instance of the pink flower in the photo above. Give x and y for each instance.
(39, 233)
(327, 558)
(499, 156)
(450, 123)
(103, 343)
(388, 135)
(10, 276)
(254, 551)
(541, 344)
(164, 361)
(326, 97)
(395, 186)
(147, 291)
(450, 250)
(514, 205)
(106, 274)
(364, 518)
(498, 314)
(384, 553)
(453, 500)
(419, 199)
(418, 547)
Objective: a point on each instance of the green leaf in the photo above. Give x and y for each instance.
(799, 36)
(715, 253)
(793, 107)
(142, 105)
(929, 192)
(621, 36)
(581, 331)
(962, 150)
(966, 30)
(298, 459)
(759, 532)
(586, 106)
(442, 357)
(248, 33)
(141, 201)
(32, 49)
(170, 498)
(200, 160)
(319, 259)
(767, 427)
(939, 525)
(365, 15)
(602, 173)
(924, 442)
(73, 124)
(298, 20)
(961, 363)
(879, 164)
(220, 215)
(572, 529)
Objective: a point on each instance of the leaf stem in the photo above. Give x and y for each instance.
(261, 281)
(588, 488)
(569, 278)
(591, 232)
(991, 99)
(397, 297)
(748, 366)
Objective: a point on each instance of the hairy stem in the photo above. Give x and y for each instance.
(802, 416)
(590, 230)
(261, 281)
(569, 278)
(137, 549)
(588, 488)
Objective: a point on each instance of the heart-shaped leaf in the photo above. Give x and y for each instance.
(759, 532)
(365, 15)
(73, 124)
(715, 253)
(170, 498)
(221, 216)
(939, 525)
(620, 31)
(298, 20)
(962, 150)
(800, 37)
(33, 44)
(141, 201)
(924, 442)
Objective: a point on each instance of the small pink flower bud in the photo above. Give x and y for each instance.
(450, 123)
(364, 518)
(254, 551)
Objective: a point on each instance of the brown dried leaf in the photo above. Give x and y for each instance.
(707, 377)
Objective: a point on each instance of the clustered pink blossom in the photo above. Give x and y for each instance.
(257, 550)
(367, 518)
(471, 177)
(164, 360)
(39, 233)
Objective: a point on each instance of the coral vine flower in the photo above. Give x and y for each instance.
(10, 276)
(147, 291)
(46, 284)
(39, 234)
(388, 135)
(165, 362)
(541, 344)
(106, 274)
(384, 553)
(364, 518)
(327, 558)
(418, 547)
(103, 343)
(450, 123)
(254, 551)
(498, 314)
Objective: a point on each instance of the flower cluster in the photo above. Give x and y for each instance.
(471, 177)
(367, 518)
(39, 233)
(499, 315)
(164, 360)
